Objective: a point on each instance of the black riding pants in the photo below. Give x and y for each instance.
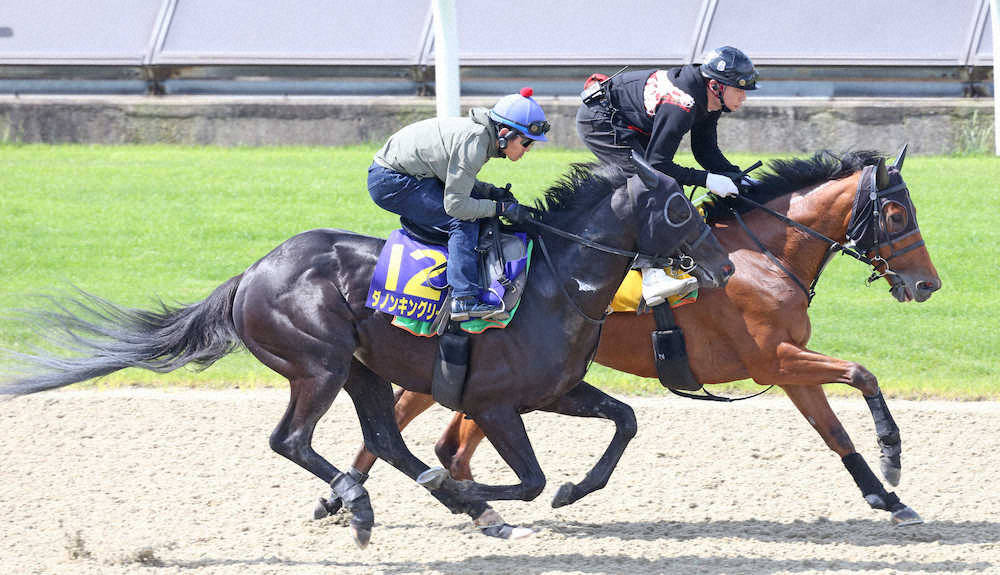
(595, 126)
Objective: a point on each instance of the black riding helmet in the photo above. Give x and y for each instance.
(730, 67)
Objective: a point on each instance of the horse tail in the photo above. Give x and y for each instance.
(94, 337)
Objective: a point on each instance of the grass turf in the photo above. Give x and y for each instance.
(136, 223)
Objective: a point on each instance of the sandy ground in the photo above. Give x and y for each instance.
(175, 481)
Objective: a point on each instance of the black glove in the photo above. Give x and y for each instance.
(487, 191)
(514, 212)
(502, 194)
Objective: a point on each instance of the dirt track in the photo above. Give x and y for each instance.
(145, 481)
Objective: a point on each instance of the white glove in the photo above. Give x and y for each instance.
(721, 186)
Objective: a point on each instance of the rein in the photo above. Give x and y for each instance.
(638, 260)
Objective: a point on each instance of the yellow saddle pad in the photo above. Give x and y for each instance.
(630, 292)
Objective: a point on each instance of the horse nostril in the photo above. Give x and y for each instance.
(728, 269)
(928, 286)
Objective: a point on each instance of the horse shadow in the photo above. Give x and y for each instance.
(860, 532)
(537, 564)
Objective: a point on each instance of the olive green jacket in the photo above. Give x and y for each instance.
(452, 150)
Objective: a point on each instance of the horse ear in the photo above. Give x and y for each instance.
(899, 158)
(881, 175)
(646, 172)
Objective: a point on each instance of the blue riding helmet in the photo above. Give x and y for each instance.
(521, 113)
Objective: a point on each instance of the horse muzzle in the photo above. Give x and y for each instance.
(713, 268)
(904, 289)
(713, 276)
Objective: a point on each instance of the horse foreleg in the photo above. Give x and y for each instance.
(798, 366)
(504, 427)
(812, 404)
(809, 398)
(585, 400)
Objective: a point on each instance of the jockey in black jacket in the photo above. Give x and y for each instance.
(649, 111)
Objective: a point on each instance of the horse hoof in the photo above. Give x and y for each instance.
(433, 478)
(361, 535)
(325, 508)
(506, 531)
(890, 472)
(906, 516)
(564, 496)
(320, 511)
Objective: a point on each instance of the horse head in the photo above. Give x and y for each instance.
(675, 226)
(889, 233)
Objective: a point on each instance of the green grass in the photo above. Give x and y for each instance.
(135, 223)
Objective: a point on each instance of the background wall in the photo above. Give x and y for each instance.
(931, 126)
(322, 72)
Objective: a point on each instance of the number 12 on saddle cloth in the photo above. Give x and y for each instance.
(410, 283)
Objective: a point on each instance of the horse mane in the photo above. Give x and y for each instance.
(785, 176)
(578, 189)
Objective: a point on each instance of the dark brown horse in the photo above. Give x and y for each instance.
(301, 311)
(758, 326)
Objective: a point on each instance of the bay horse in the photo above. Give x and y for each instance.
(758, 326)
(301, 311)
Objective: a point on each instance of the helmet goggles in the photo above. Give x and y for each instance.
(537, 128)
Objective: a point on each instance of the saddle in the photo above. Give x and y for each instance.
(502, 263)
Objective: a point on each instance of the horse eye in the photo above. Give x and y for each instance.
(895, 217)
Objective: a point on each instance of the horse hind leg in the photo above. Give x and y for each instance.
(311, 397)
(408, 405)
(372, 398)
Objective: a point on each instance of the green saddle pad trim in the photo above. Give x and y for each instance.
(477, 325)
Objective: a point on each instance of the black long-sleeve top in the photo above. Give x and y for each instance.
(659, 107)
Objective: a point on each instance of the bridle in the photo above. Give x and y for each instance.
(866, 231)
(867, 228)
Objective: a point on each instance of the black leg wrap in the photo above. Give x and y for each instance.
(357, 475)
(355, 498)
(885, 426)
(871, 488)
(332, 505)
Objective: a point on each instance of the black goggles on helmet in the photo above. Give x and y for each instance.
(536, 128)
